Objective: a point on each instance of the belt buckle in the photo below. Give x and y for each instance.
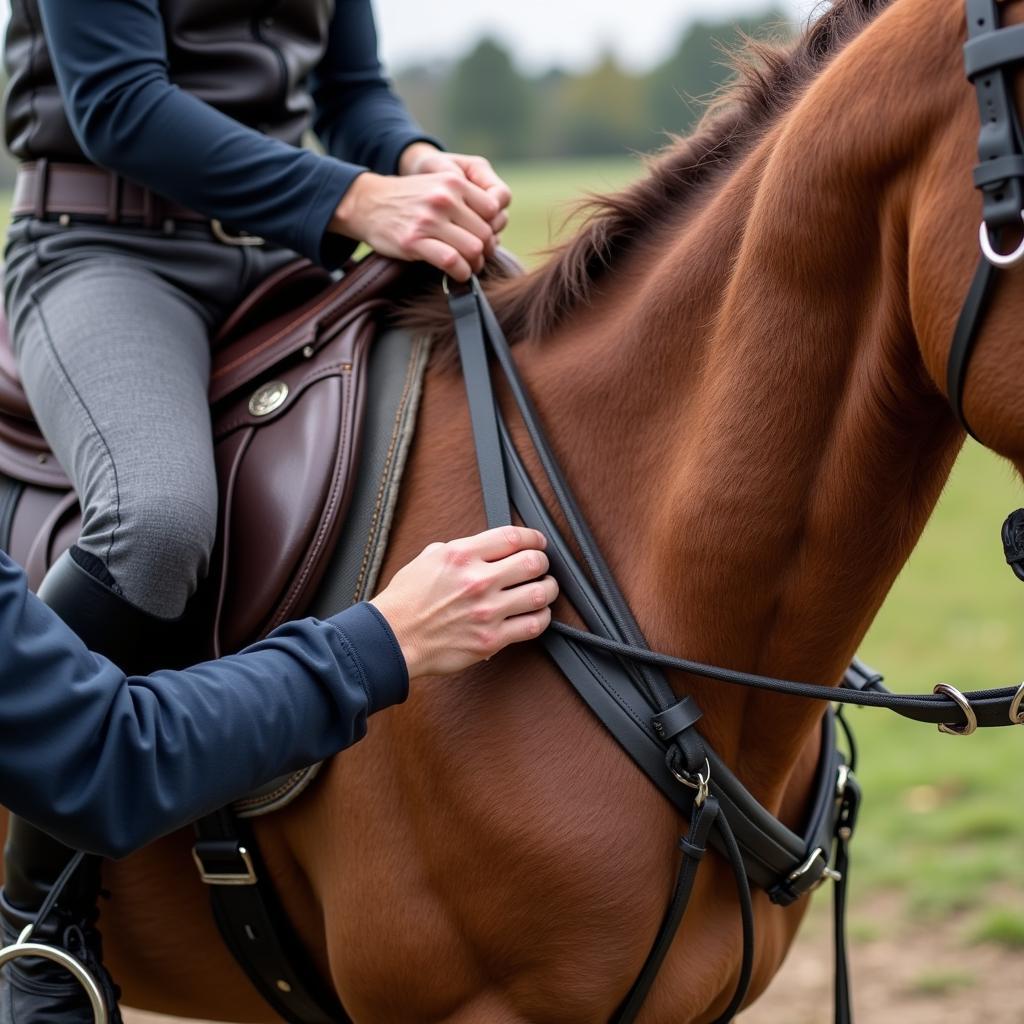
(225, 237)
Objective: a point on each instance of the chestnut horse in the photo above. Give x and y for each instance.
(740, 360)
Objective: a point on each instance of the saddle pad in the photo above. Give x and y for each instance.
(397, 364)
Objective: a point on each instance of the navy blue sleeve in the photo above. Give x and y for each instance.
(106, 763)
(110, 59)
(358, 116)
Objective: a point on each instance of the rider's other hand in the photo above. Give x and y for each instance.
(423, 158)
(459, 603)
(445, 208)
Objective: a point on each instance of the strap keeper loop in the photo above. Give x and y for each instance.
(676, 719)
(691, 850)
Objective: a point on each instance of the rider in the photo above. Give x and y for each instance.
(153, 135)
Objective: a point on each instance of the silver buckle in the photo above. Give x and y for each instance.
(827, 873)
(248, 877)
(225, 236)
(23, 948)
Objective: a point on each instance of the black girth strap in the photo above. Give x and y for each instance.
(990, 54)
(254, 926)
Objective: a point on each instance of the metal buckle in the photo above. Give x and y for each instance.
(1016, 715)
(827, 873)
(23, 948)
(225, 236)
(998, 259)
(970, 718)
(247, 877)
(702, 785)
(842, 779)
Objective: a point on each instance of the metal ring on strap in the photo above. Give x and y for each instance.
(702, 785)
(998, 259)
(1016, 714)
(23, 948)
(970, 718)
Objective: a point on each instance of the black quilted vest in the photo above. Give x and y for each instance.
(247, 59)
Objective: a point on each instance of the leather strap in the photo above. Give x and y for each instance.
(1000, 134)
(254, 925)
(625, 716)
(966, 334)
(990, 54)
(44, 188)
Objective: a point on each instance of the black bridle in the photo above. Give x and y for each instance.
(613, 670)
(991, 54)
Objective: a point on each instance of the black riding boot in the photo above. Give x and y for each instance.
(34, 990)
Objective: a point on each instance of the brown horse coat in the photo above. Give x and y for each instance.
(740, 362)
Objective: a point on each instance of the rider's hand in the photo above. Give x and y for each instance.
(445, 216)
(423, 158)
(459, 603)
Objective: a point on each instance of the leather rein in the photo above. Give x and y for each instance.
(614, 671)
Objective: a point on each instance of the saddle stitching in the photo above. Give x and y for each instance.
(410, 374)
(245, 419)
(337, 491)
(227, 504)
(304, 316)
(609, 686)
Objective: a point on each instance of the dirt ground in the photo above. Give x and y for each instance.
(908, 975)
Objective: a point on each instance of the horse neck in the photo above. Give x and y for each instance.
(745, 411)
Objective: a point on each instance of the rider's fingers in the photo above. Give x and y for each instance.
(520, 567)
(469, 246)
(522, 627)
(529, 597)
(499, 223)
(443, 256)
(480, 201)
(493, 545)
(480, 172)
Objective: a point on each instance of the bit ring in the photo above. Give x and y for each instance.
(970, 718)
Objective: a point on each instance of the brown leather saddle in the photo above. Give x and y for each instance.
(286, 398)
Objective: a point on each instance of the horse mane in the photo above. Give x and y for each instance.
(768, 79)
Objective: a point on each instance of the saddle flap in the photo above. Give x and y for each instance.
(285, 453)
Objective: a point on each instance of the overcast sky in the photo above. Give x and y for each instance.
(544, 32)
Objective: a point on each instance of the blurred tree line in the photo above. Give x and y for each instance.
(484, 103)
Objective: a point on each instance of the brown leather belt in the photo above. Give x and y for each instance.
(64, 191)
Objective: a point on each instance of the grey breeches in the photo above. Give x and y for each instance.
(111, 327)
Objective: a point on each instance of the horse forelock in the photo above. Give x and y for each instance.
(769, 77)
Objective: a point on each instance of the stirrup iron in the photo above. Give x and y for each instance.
(23, 948)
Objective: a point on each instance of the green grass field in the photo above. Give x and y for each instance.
(941, 821)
